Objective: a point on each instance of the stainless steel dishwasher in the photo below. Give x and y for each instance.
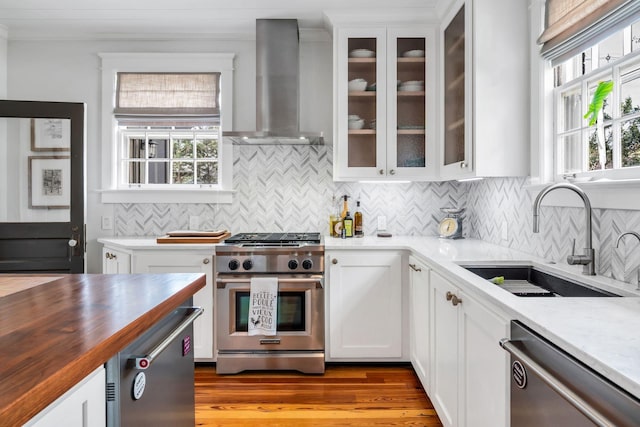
(551, 388)
(151, 381)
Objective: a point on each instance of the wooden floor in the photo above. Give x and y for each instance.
(343, 396)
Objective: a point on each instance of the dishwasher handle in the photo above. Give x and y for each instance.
(578, 402)
(143, 362)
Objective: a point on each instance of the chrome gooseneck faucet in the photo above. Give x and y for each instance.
(633, 233)
(587, 260)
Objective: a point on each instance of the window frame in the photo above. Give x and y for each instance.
(604, 193)
(584, 82)
(112, 63)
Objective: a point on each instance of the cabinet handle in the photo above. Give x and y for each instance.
(109, 255)
(381, 172)
(414, 268)
(453, 298)
(463, 165)
(334, 261)
(106, 255)
(392, 172)
(205, 261)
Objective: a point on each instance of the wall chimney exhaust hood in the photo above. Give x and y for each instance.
(277, 88)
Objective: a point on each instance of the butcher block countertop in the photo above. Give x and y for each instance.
(57, 329)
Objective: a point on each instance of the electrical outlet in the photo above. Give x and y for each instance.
(194, 222)
(107, 223)
(504, 231)
(382, 222)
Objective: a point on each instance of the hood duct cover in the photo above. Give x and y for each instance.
(277, 87)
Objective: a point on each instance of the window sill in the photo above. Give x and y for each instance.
(602, 193)
(178, 195)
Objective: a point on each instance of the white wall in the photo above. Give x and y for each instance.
(69, 70)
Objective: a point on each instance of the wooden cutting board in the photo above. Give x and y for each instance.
(193, 239)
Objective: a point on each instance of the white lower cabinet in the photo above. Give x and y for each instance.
(419, 320)
(365, 306)
(186, 262)
(115, 261)
(82, 406)
(469, 382)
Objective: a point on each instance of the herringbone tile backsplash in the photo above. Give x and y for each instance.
(290, 188)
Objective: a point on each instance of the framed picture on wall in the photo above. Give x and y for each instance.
(49, 182)
(50, 134)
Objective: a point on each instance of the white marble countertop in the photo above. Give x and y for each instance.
(601, 332)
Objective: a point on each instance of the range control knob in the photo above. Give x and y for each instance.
(234, 264)
(293, 264)
(307, 264)
(247, 264)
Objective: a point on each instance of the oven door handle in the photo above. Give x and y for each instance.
(575, 400)
(319, 282)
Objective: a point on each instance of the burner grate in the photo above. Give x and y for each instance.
(274, 238)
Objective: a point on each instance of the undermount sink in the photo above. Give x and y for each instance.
(528, 281)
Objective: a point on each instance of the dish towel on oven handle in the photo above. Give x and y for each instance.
(263, 306)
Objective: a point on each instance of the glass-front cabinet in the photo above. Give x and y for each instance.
(485, 90)
(382, 80)
(456, 146)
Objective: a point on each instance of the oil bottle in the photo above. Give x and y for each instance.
(348, 225)
(358, 231)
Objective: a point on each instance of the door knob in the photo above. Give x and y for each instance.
(381, 171)
(72, 242)
(392, 172)
(205, 261)
(334, 261)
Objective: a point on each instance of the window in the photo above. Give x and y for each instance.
(155, 156)
(610, 147)
(169, 125)
(163, 116)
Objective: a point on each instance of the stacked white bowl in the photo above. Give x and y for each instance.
(411, 86)
(355, 122)
(357, 85)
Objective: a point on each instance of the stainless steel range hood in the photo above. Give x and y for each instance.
(277, 88)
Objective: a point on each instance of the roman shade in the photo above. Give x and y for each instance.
(167, 95)
(571, 26)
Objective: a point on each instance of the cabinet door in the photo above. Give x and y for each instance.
(410, 152)
(419, 320)
(360, 151)
(457, 91)
(82, 406)
(115, 262)
(445, 373)
(485, 393)
(365, 305)
(192, 262)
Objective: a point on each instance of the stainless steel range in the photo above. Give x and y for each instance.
(297, 261)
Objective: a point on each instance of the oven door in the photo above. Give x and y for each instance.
(300, 324)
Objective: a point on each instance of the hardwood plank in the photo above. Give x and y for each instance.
(353, 395)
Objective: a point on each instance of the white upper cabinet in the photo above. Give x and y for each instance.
(484, 81)
(384, 79)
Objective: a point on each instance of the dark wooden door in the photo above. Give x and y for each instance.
(42, 227)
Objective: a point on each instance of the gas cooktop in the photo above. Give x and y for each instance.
(274, 238)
